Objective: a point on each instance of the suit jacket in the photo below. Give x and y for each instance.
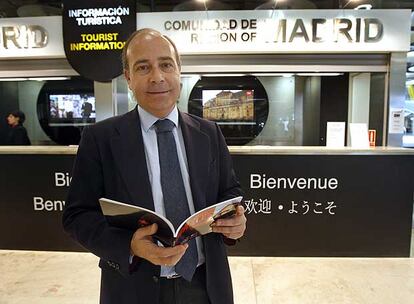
(17, 136)
(111, 163)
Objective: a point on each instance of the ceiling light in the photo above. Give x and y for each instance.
(223, 75)
(34, 78)
(346, 4)
(49, 78)
(363, 7)
(273, 74)
(13, 79)
(319, 74)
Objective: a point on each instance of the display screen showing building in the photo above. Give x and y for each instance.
(228, 105)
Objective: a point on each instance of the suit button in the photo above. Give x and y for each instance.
(155, 279)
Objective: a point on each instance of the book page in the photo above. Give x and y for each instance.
(200, 222)
(132, 217)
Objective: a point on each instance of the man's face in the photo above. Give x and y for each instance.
(12, 120)
(153, 74)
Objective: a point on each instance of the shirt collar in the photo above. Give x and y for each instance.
(148, 120)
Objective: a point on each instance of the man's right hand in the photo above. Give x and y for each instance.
(143, 246)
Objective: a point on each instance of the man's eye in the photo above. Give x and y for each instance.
(142, 68)
(167, 66)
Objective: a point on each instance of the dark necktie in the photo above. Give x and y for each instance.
(175, 198)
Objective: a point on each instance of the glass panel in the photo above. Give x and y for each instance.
(297, 108)
(56, 109)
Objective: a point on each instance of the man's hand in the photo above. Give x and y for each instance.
(232, 227)
(142, 245)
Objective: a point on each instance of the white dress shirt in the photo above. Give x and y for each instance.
(149, 136)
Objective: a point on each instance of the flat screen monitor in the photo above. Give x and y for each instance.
(238, 104)
(229, 106)
(71, 109)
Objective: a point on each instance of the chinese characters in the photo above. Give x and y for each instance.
(264, 206)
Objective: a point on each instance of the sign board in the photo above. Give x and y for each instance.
(227, 32)
(359, 135)
(94, 34)
(396, 121)
(372, 134)
(326, 205)
(335, 134)
(284, 31)
(32, 200)
(34, 37)
(296, 205)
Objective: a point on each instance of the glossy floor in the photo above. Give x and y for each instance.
(56, 277)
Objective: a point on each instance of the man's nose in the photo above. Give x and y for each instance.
(156, 75)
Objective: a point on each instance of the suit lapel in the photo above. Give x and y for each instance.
(128, 150)
(197, 146)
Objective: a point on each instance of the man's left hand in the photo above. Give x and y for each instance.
(233, 227)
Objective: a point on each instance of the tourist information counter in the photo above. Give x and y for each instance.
(299, 201)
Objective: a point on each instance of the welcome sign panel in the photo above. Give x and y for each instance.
(296, 205)
(326, 205)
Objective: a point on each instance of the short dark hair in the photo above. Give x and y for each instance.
(20, 115)
(148, 30)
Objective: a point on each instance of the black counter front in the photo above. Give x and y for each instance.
(299, 201)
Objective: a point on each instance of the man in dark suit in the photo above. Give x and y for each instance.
(119, 159)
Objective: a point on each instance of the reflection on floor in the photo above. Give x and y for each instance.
(57, 277)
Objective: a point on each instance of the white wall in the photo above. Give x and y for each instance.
(359, 98)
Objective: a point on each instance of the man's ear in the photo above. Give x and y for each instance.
(126, 75)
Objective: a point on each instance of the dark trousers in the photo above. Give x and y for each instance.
(179, 291)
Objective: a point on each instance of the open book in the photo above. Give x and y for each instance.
(133, 217)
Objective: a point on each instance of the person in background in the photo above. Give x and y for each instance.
(17, 134)
(86, 108)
